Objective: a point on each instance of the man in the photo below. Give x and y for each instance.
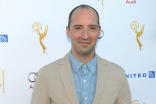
(82, 77)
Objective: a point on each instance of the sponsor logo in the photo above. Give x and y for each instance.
(32, 78)
(37, 27)
(131, 2)
(31, 87)
(150, 74)
(2, 81)
(102, 2)
(136, 102)
(134, 25)
(3, 38)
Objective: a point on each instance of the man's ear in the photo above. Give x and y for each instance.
(99, 31)
(67, 31)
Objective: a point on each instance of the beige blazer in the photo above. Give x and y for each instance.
(55, 85)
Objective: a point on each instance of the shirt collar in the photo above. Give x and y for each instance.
(76, 64)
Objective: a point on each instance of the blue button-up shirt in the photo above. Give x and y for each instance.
(85, 79)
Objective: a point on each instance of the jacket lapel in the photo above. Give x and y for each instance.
(67, 78)
(102, 75)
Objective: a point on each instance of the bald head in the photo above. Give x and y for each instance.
(82, 7)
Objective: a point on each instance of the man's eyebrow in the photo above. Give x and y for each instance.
(93, 25)
(77, 25)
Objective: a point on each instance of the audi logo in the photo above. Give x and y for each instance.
(32, 76)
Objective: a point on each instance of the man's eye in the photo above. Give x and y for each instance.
(78, 28)
(93, 28)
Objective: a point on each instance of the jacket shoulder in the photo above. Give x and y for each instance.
(50, 68)
(113, 68)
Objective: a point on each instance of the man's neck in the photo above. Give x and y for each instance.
(83, 57)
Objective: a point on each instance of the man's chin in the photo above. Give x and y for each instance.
(85, 51)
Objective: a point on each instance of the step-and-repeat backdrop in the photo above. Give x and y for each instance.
(33, 34)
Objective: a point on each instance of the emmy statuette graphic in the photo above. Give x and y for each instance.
(134, 25)
(36, 28)
(136, 102)
(102, 2)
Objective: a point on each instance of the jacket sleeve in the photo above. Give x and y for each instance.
(124, 96)
(40, 91)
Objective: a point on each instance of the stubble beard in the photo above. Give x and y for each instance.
(83, 50)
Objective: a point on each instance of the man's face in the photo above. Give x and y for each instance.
(84, 31)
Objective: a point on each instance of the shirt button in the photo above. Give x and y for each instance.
(84, 65)
(84, 80)
(85, 98)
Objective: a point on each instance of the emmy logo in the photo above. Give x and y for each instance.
(134, 25)
(2, 81)
(102, 2)
(36, 28)
(136, 102)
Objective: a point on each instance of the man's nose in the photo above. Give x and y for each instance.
(85, 34)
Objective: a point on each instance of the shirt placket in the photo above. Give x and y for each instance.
(85, 82)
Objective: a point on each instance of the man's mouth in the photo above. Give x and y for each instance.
(84, 43)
